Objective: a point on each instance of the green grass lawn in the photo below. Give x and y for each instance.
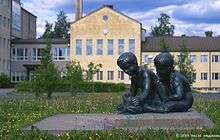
(16, 115)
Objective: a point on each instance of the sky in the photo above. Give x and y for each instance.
(190, 17)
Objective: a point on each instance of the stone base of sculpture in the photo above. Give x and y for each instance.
(62, 123)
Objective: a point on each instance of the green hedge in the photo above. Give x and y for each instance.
(64, 86)
(4, 81)
(23, 86)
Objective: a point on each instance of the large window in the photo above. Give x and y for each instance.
(110, 47)
(61, 54)
(99, 47)
(204, 58)
(215, 58)
(78, 47)
(18, 76)
(16, 16)
(132, 46)
(204, 76)
(36, 54)
(121, 46)
(110, 75)
(19, 54)
(215, 76)
(89, 47)
(121, 75)
(99, 75)
(193, 59)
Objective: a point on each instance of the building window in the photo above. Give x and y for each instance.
(4, 22)
(8, 43)
(204, 76)
(36, 54)
(105, 17)
(215, 58)
(78, 47)
(0, 20)
(61, 54)
(204, 58)
(99, 47)
(4, 42)
(193, 59)
(215, 76)
(110, 47)
(194, 76)
(121, 75)
(121, 45)
(110, 75)
(8, 65)
(99, 75)
(8, 23)
(148, 59)
(19, 54)
(132, 46)
(89, 47)
(18, 76)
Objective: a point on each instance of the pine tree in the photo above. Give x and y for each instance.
(208, 33)
(47, 75)
(61, 29)
(48, 31)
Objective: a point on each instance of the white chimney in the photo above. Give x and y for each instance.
(78, 9)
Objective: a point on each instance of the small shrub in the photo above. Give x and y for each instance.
(23, 86)
(4, 81)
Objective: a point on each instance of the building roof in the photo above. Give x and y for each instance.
(109, 7)
(39, 41)
(194, 44)
(28, 12)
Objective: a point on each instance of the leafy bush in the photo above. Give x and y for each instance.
(4, 81)
(23, 86)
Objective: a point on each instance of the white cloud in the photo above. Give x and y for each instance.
(45, 11)
(192, 18)
(188, 27)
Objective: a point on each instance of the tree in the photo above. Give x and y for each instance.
(4, 81)
(165, 28)
(48, 31)
(61, 29)
(164, 46)
(184, 64)
(91, 71)
(208, 33)
(47, 75)
(74, 75)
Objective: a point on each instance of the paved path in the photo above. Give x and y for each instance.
(4, 94)
(207, 96)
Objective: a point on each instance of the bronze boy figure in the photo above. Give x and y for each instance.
(166, 91)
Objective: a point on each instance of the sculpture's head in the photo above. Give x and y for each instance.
(128, 63)
(164, 64)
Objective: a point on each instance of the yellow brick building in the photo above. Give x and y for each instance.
(100, 37)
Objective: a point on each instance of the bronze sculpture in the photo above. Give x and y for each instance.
(163, 92)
